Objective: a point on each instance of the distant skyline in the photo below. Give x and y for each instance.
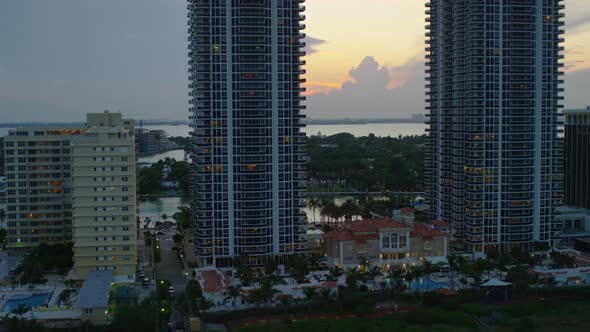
(61, 59)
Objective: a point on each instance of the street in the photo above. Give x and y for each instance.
(169, 268)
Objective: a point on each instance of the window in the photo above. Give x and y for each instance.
(125, 238)
(125, 248)
(393, 241)
(125, 228)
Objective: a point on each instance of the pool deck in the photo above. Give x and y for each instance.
(8, 292)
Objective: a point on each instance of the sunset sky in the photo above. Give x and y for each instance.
(63, 58)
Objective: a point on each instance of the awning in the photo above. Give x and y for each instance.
(495, 283)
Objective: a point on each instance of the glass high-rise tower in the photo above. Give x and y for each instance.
(246, 105)
(494, 165)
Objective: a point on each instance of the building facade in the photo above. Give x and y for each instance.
(246, 105)
(577, 158)
(75, 184)
(494, 158)
(385, 242)
(38, 185)
(104, 196)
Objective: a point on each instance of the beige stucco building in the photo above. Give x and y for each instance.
(385, 242)
(75, 183)
(104, 196)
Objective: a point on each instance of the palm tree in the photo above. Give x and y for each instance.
(20, 310)
(314, 203)
(374, 272)
(327, 209)
(349, 209)
(335, 272)
(203, 305)
(233, 292)
(326, 296)
(285, 300)
(352, 275)
(310, 295)
(452, 259)
(427, 267)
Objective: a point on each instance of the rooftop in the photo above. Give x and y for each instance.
(95, 291)
(211, 279)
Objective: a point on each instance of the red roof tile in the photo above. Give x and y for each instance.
(341, 234)
(407, 209)
(372, 225)
(441, 223)
(423, 231)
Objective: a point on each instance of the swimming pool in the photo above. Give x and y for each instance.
(423, 284)
(28, 300)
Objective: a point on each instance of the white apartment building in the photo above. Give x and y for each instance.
(104, 196)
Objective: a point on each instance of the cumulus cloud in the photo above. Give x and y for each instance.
(375, 91)
(311, 43)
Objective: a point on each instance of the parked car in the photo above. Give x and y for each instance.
(174, 248)
(171, 290)
(160, 233)
(146, 281)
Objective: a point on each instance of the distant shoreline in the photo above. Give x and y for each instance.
(419, 120)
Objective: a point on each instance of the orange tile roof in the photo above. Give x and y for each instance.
(441, 223)
(423, 231)
(407, 209)
(370, 225)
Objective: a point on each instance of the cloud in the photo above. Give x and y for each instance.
(576, 88)
(577, 22)
(310, 44)
(371, 94)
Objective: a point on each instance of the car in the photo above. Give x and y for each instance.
(171, 289)
(160, 233)
(174, 248)
(141, 275)
(146, 281)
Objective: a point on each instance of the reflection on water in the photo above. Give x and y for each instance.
(154, 209)
(174, 154)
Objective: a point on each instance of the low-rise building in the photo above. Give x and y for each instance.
(93, 300)
(385, 242)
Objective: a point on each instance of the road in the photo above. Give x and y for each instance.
(169, 268)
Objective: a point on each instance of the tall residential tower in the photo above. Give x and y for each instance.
(246, 106)
(577, 158)
(494, 165)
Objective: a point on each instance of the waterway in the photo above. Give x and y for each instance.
(377, 129)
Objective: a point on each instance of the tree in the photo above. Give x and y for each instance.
(349, 209)
(183, 217)
(164, 216)
(233, 292)
(374, 272)
(203, 305)
(396, 285)
(326, 296)
(310, 295)
(520, 278)
(285, 300)
(335, 272)
(452, 259)
(352, 276)
(314, 203)
(20, 310)
(265, 293)
(3, 234)
(427, 268)
(298, 267)
(177, 238)
(142, 316)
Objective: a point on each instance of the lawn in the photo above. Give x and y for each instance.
(430, 320)
(565, 315)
